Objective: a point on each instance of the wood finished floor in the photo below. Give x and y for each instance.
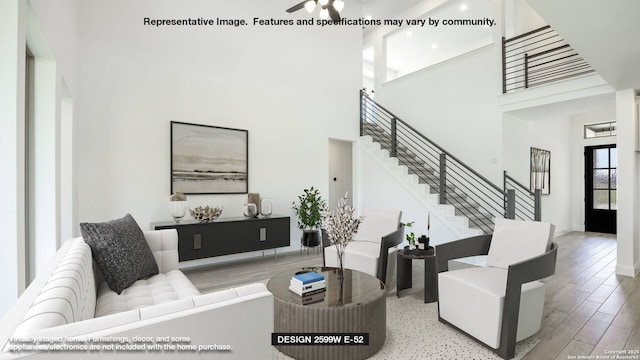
(229, 274)
(589, 310)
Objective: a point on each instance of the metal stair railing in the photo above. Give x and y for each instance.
(456, 183)
(539, 57)
(529, 202)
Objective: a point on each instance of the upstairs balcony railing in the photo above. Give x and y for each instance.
(456, 183)
(539, 57)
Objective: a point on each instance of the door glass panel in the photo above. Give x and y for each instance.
(601, 179)
(614, 157)
(601, 199)
(614, 200)
(614, 178)
(600, 158)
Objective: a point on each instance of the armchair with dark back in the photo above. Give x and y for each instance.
(501, 303)
(373, 247)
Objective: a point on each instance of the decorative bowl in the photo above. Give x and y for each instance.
(205, 214)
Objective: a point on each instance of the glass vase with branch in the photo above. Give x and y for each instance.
(340, 225)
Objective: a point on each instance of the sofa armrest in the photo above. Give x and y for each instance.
(164, 245)
(472, 246)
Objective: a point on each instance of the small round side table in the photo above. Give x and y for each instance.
(404, 272)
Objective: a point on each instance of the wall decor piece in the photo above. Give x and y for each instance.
(209, 159)
(541, 170)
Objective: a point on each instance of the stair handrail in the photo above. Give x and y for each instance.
(516, 182)
(520, 59)
(536, 196)
(467, 167)
(528, 33)
(471, 193)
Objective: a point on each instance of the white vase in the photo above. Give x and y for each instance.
(265, 206)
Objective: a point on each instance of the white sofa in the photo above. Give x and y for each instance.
(68, 303)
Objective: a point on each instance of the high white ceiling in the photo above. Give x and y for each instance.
(605, 33)
(385, 9)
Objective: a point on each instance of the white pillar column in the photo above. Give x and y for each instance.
(12, 152)
(628, 192)
(46, 204)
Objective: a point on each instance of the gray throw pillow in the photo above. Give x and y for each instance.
(120, 250)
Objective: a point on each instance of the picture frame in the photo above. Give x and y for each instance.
(540, 170)
(209, 159)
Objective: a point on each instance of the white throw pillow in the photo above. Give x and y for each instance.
(514, 241)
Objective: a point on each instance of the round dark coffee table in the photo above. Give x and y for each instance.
(359, 307)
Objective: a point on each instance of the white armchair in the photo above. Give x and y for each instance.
(372, 249)
(501, 303)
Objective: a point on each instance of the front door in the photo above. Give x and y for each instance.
(601, 188)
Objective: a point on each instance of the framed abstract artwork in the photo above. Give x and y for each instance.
(209, 159)
(540, 170)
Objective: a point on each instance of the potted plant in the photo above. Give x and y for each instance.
(411, 237)
(308, 209)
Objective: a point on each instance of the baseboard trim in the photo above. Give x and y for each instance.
(626, 270)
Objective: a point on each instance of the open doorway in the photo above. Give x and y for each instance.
(340, 171)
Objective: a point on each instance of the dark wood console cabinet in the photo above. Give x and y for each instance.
(227, 236)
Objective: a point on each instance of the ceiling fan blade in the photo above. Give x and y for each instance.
(296, 7)
(333, 13)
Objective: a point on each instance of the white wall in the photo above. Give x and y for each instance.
(548, 132)
(52, 39)
(49, 30)
(57, 21)
(292, 88)
(12, 65)
(520, 18)
(454, 103)
(379, 189)
(557, 127)
(44, 158)
(628, 175)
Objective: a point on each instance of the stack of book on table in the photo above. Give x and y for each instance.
(309, 286)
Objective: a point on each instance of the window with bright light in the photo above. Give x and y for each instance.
(411, 48)
(600, 130)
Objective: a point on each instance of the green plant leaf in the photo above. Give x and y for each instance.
(309, 209)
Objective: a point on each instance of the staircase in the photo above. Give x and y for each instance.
(464, 206)
(448, 180)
